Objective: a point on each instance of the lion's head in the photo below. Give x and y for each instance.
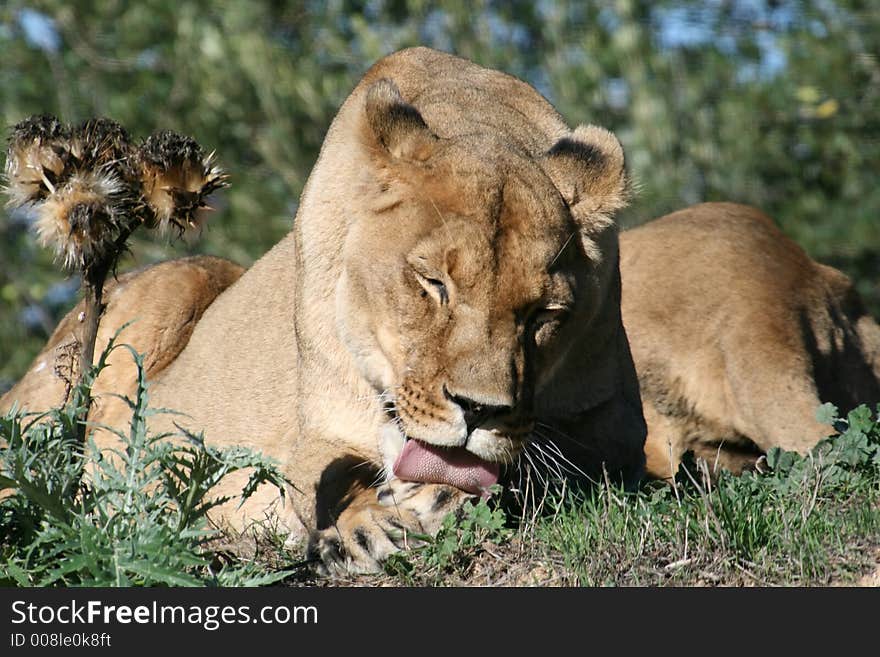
(476, 268)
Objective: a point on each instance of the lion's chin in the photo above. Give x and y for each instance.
(456, 466)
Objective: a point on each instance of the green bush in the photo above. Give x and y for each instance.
(74, 516)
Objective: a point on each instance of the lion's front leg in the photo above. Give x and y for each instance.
(380, 521)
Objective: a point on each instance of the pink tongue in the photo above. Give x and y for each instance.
(455, 466)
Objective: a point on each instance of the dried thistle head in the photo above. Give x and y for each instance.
(92, 187)
(82, 221)
(176, 178)
(102, 143)
(81, 180)
(36, 157)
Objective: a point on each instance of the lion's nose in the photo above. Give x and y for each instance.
(475, 412)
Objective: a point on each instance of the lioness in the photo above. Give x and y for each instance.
(738, 337)
(449, 297)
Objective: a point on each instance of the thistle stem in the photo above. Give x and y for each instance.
(93, 277)
(94, 293)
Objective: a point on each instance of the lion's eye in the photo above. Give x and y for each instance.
(435, 287)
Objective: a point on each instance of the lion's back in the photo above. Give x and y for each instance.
(737, 333)
(696, 273)
(161, 304)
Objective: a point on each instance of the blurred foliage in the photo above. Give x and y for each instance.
(769, 102)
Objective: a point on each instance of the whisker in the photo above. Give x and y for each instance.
(445, 225)
(526, 491)
(558, 432)
(549, 461)
(534, 469)
(360, 398)
(381, 477)
(559, 253)
(571, 467)
(533, 506)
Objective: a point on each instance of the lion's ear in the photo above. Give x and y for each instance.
(588, 169)
(397, 126)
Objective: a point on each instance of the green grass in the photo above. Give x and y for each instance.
(812, 520)
(133, 516)
(811, 524)
(139, 517)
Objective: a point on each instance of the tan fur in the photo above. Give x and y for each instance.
(738, 337)
(163, 302)
(454, 246)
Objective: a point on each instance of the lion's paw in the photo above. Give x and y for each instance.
(381, 521)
